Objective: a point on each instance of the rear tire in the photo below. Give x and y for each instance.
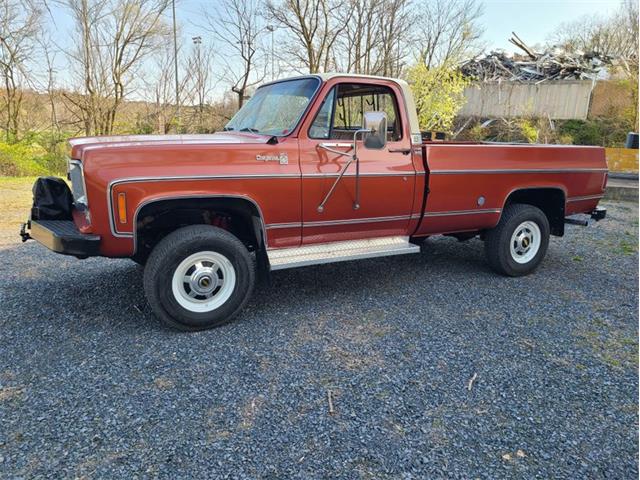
(198, 277)
(518, 244)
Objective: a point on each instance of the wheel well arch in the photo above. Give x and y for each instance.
(551, 200)
(239, 214)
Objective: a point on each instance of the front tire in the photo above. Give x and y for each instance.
(518, 244)
(198, 277)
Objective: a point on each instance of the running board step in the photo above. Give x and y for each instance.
(340, 252)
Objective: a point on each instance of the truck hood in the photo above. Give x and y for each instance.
(81, 144)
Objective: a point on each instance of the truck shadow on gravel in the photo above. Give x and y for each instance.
(111, 290)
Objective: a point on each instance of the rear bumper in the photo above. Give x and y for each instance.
(62, 236)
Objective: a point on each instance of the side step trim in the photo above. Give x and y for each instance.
(339, 252)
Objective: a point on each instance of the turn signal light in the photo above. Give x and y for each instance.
(122, 207)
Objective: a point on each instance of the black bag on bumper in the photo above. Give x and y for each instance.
(52, 199)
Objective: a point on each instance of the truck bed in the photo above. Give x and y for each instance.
(476, 179)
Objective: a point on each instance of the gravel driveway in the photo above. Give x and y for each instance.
(92, 386)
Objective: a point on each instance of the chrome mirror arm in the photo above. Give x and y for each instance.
(335, 183)
(354, 156)
(356, 201)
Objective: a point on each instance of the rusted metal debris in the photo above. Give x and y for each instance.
(532, 66)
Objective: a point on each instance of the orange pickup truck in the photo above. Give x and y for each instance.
(313, 169)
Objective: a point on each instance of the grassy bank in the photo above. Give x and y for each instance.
(15, 203)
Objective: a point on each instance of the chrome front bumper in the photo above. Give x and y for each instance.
(61, 236)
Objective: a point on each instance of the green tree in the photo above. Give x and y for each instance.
(439, 95)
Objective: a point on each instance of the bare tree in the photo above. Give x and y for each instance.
(20, 25)
(237, 27)
(615, 36)
(395, 27)
(629, 14)
(50, 84)
(628, 19)
(375, 39)
(86, 65)
(160, 86)
(134, 27)
(360, 33)
(314, 25)
(114, 38)
(449, 31)
(199, 76)
(589, 34)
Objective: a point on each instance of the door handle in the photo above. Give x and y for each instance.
(335, 145)
(404, 151)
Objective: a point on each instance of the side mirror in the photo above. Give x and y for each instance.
(376, 124)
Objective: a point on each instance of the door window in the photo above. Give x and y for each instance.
(342, 111)
(321, 126)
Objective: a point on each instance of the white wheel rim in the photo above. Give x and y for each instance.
(525, 242)
(203, 281)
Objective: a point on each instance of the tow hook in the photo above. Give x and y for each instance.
(23, 231)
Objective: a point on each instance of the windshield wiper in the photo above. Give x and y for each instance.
(249, 129)
(227, 129)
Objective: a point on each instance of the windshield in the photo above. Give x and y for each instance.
(275, 109)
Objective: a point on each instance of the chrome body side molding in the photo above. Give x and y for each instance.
(350, 221)
(587, 197)
(517, 170)
(462, 212)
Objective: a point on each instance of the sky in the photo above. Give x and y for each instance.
(534, 21)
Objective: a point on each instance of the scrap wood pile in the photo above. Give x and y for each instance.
(533, 66)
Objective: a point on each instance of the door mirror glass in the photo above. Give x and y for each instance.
(376, 122)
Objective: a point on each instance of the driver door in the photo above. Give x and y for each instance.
(387, 175)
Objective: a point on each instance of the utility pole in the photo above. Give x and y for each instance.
(199, 77)
(199, 74)
(175, 60)
(271, 28)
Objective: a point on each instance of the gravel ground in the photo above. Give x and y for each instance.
(92, 386)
